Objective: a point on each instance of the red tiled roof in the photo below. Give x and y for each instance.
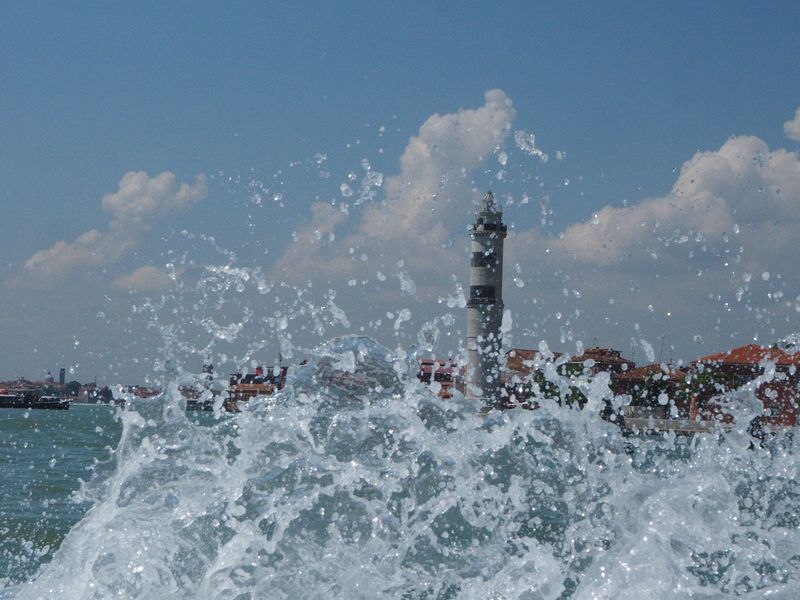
(752, 354)
(647, 370)
(517, 357)
(604, 355)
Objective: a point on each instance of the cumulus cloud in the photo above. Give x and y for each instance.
(88, 249)
(144, 279)
(138, 202)
(430, 189)
(792, 128)
(433, 164)
(311, 241)
(733, 192)
(141, 198)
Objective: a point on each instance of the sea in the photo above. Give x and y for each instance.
(356, 482)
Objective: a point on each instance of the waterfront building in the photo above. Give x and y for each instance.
(778, 390)
(439, 374)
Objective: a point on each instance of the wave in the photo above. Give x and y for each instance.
(355, 482)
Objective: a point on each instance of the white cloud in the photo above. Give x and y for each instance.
(89, 249)
(435, 163)
(144, 279)
(792, 128)
(141, 198)
(430, 190)
(134, 207)
(310, 244)
(741, 187)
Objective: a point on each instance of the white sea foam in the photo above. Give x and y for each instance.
(355, 482)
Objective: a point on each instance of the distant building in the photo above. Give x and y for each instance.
(439, 374)
(745, 363)
(635, 381)
(522, 361)
(645, 386)
(661, 397)
(734, 368)
(597, 360)
(524, 378)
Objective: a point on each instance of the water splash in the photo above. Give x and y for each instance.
(356, 482)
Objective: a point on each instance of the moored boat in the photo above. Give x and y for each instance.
(27, 399)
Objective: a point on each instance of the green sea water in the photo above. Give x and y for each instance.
(44, 457)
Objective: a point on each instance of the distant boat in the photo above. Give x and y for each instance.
(32, 400)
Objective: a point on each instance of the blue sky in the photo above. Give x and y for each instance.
(246, 96)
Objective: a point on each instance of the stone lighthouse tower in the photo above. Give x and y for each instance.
(485, 305)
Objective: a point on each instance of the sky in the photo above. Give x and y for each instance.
(182, 180)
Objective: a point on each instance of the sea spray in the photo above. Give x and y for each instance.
(355, 482)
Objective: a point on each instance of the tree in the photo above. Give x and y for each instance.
(537, 387)
(654, 385)
(73, 388)
(702, 385)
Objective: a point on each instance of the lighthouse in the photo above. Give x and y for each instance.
(485, 305)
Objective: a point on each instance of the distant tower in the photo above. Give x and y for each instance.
(62, 376)
(485, 306)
